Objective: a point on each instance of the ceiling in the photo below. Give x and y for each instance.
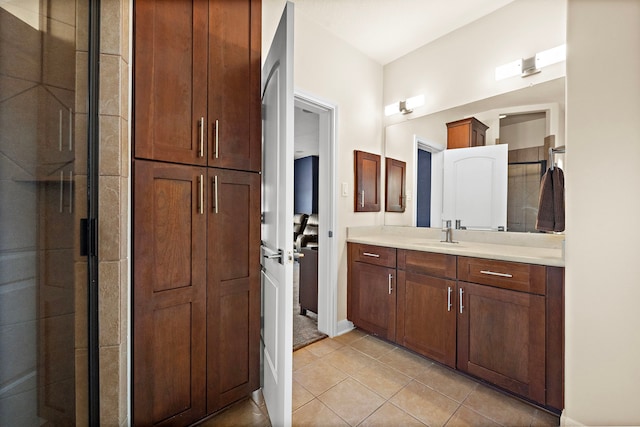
(385, 30)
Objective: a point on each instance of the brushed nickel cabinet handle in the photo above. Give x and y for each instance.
(370, 254)
(70, 129)
(201, 137)
(493, 273)
(390, 285)
(215, 194)
(362, 202)
(71, 191)
(461, 304)
(61, 189)
(201, 195)
(217, 139)
(449, 290)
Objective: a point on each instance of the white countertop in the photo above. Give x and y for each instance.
(543, 249)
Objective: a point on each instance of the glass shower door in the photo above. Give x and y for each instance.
(43, 168)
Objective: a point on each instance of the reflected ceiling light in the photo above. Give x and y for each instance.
(529, 66)
(404, 107)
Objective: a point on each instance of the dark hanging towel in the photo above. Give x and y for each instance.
(551, 202)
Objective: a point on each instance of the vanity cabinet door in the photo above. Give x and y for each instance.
(427, 316)
(372, 299)
(394, 173)
(501, 338)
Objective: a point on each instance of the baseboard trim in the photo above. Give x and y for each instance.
(344, 326)
(568, 422)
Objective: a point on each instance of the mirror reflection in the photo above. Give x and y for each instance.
(529, 121)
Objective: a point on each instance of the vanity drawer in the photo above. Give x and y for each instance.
(376, 255)
(503, 274)
(434, 264)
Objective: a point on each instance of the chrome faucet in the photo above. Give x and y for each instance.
(447, 231)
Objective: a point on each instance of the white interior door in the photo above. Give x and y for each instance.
(475, 187)
(277, 224)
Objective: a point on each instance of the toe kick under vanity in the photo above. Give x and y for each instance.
(490, 305)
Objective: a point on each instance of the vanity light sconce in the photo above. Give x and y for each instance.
(533, 65)
(404, 107)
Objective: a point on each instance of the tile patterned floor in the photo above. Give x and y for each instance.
(358, 380)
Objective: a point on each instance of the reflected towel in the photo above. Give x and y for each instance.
(551, 201)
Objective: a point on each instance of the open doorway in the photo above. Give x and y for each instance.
(314, 278)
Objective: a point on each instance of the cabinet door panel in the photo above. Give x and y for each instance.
(169, 294)
(170, 80)
(234, 84)
(367, 186)
(501, 338)
(233, 286)
(427, 316)
(394, 185)
(373, 305)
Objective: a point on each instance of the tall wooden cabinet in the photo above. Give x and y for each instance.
(469, 132)
(196, 207)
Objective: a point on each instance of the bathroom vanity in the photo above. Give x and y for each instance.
(490, 305)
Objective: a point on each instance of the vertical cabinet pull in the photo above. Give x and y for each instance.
(449, 298)
(362, 202)
(216, 140)
(201, 195)
(461, 304)
(390, 285)
(71, 191)
(215, 194)
(201, 137)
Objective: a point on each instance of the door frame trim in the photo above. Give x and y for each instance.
(327, 259)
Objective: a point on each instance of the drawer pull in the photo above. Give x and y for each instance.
(493, 273)
(390, 286)
(370, 254)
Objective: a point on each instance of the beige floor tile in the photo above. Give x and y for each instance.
(318, 377)
(300, 395)
(382, 379)
(350, 336)
(372, 346)
(323, 347)
(314, 413)
(544, 419)
(406, 362)
(302, 358)
(425, 404)
(245, 413)
(352, 401)
(502, 409)
(447, 382)
(349, 360)
(465, 417)
(390, 415)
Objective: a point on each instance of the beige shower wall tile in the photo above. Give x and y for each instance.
(125, 151)
(109, 218)
(124, 89)
(82, 25)
(109, 310)
(110, 97)
(82, 70)
(110, 385)
(110, 145)
(110, 26)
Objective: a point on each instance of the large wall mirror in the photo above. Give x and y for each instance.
(529, 120)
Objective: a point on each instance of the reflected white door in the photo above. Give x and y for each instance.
(475, 187)
(277, 224)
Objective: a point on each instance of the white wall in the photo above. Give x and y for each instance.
(602, 382)
(330, 69)
(459, 68)
(530, 133)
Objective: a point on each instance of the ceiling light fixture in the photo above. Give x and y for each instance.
(529, 66)
(404, 107)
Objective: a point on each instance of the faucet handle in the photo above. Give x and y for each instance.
(447, 223)
(458, 224)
